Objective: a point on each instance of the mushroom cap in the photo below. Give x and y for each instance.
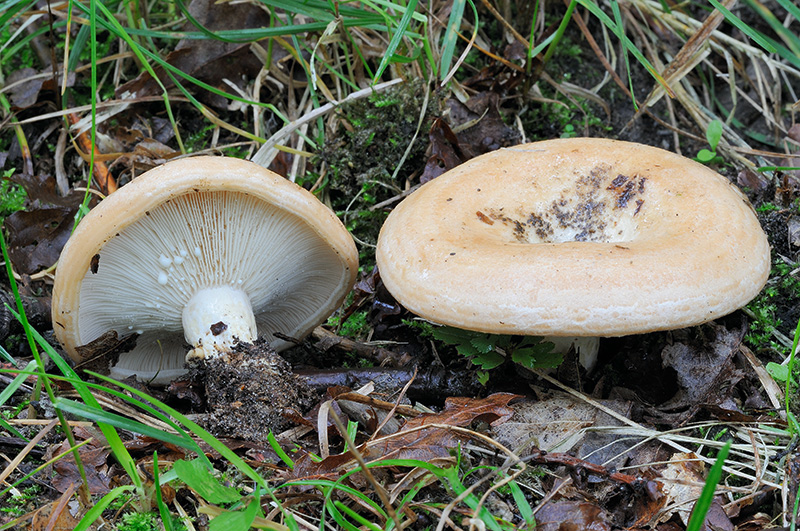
(134, 262)
(574, 237)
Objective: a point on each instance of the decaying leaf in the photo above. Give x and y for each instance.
(557, 424)
(25, 87)
(480, 125)
(703, 368)
(461, 411)
(94, 456)
(567, 514)
(210, 60)
(37, 235)
(445, 154)
(56, 517)
(683, 479)
(422, 438)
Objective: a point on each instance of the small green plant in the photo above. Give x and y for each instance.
(767, 207)
(787, 375)
(489, 351)
(139, 522)
(569, 131)
(12, 196)
(781, 292)
(713, 135)
(423, 328)
(19, 504)
(356, 326)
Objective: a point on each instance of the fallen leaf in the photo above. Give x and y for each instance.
(794, 133)
(682, 479)
(480, 125)
(556, 424)
(701, 358)
(461, 411)
(445, 154)
(26, 92)
(751, 180)
(37, 235)
(45, 520)
(415, 441)
(716, 519)
(568, 515)
(93, 456)
(210, 60)
(419, 439)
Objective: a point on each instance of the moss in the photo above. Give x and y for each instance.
(562, 120)
(361, 163)
(775, 308)
(22, 503)
(12, 196)
(357, 326)
(146, 522)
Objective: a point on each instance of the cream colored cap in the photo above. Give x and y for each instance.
(245, 237)
(574, 237)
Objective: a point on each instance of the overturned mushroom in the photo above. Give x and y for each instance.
(578, 237)
(204, 251)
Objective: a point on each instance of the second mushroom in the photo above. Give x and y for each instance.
(574, 238)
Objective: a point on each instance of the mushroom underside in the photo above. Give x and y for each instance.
(207, 269)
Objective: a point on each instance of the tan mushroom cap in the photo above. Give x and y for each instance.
(196, 231)
(574, 237)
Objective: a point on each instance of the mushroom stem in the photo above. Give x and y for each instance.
(586, 347)
(214, 319)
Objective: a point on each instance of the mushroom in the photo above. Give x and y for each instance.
(204, 251)
(574, 238)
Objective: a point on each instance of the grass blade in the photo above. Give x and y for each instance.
(451, 35)
(757, 37)
(399, 33)
(707, 495)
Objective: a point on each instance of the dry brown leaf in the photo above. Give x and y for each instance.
(557, 424)
(682, 480)
(461, 411)
(480, 126)
(45, 520)
(37, 235)
(416, 440)
(210, 60)
(94, 456)
(563, 515)
(445, 152)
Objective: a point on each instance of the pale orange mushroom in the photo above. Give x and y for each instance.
(573, 238)
(203, 251)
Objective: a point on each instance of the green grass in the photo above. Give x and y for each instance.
(697, 519)
(414, 47)
(232, 510)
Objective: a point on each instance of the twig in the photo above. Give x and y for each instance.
(431, 383)
(267, 152)
(540, 457)
(376, 354)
